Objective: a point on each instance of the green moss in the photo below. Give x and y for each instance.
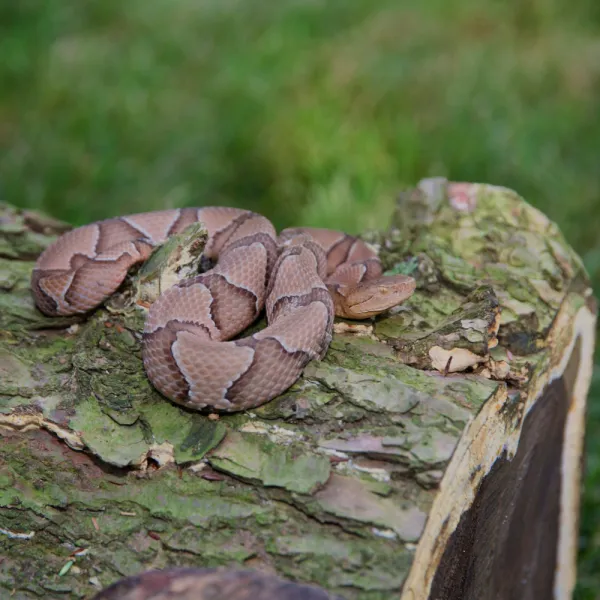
(253, 457)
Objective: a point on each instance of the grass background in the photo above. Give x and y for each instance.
(312, 112)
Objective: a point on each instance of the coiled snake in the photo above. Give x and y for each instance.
(303, 277)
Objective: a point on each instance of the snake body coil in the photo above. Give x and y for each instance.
(302, 278)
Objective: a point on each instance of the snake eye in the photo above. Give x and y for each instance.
(383, 290)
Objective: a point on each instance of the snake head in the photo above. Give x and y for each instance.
(374, 296)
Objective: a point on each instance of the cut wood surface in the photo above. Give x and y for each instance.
(435, 453)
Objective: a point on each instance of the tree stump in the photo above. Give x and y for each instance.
(435, 453)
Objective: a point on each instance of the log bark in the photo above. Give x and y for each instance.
(435, 453)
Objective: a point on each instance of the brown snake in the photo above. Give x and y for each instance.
(302, 278)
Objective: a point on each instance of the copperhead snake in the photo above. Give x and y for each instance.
(303, 277)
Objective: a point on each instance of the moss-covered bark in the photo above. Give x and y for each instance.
(332, 483)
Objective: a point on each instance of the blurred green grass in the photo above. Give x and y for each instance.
(310, 111)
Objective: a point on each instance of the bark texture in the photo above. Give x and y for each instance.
(434, 453)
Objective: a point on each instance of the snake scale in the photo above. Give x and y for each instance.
(303, 278)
